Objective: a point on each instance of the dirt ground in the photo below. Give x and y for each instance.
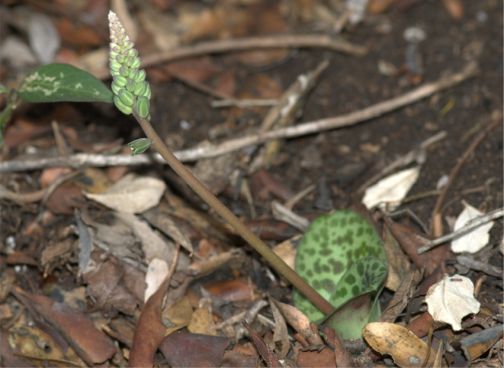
(338, 163)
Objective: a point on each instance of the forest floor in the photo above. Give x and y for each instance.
(417, 86)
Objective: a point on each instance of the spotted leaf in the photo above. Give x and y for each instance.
(342, 257)
(63, 82)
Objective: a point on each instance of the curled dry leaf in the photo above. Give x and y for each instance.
(475, 239)
(280, 333)
(451, 299)
(391, 190)
(299, 322)
(131, 194)
(401, 344)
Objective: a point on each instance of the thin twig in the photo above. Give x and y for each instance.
(479, 266)
(196, 153)
(241, 44)
(471, 225)
(243, 103)
(436, 212)
(284, 113)
(39, 195)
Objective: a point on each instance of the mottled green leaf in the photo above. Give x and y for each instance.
(341, 255)
(63, 82)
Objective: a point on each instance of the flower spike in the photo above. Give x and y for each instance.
(131, 90)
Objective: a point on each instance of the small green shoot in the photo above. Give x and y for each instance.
(139, 146)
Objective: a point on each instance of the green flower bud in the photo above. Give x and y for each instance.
(140, 88)
(129, 85)
(139, 76)
(132, 53)
(114, 65)
(135, 63)
(126, 97)
(139, 145)
(142, 107)
(124, 71)
(120, 80)
(116, 88)
(122, 107)
(147, 92)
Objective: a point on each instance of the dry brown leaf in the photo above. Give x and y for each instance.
(92, 345)
(455, 8)
(183, 349)
(50, 174)
(153, 245)
(9, 357)
(240, 289)
(398, 263)
(106, 283)
(405, 348)
(322, 358)
(379, 6)
(32, 342)
(178, 315)
(56, 254)
(299, 322)
(164, 222)
(287, 251)
(267, 355)
(280, 332)
(65, 199)
(202, 322)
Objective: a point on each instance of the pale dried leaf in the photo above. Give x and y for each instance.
(153, 245)
(401, 344)
(474, 240)
(451, 299)
(131, 194)
(156, 273)
(391, 190)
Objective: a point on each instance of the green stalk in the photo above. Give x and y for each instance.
(132, 96)
(255, 242)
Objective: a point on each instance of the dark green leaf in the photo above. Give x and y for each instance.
(63, 82)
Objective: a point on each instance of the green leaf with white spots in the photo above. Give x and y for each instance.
(63, 82)
(342, 257)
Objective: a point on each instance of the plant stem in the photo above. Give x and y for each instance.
(255, 242)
